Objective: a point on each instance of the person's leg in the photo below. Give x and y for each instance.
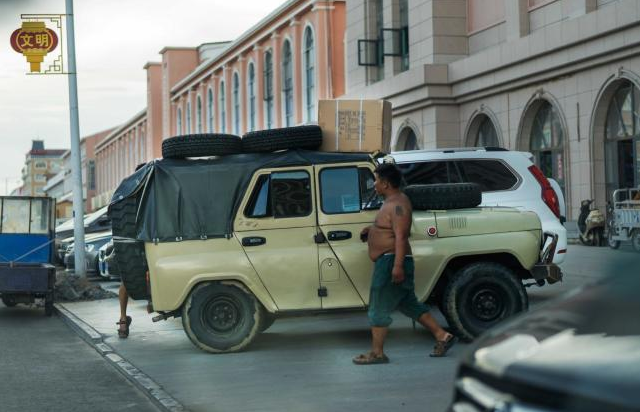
(378, 335)
(123, 297)
(429, 322)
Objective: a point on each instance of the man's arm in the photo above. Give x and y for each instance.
(401, 225)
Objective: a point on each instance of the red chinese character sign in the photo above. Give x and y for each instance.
(35, 40)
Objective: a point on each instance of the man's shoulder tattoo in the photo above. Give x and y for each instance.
(399, 210)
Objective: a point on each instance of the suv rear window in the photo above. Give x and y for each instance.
(491, 175)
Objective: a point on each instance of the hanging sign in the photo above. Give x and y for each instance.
(34, 40)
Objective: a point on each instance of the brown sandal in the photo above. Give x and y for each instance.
(442, 346)
(370, 359)
(124, 333)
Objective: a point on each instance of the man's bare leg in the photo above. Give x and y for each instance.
(123, 297)
(428, 321)
(378, 335)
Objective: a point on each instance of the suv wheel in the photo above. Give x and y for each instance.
(480, 295)
(221, 318)
(9, 301)
(296, 137)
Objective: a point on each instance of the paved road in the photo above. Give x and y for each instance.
(44, 366)
(304, 364)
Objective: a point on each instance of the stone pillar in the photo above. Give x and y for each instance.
(517, 18)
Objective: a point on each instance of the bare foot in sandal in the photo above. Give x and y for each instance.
(370, 359)
(442, 346)
(123, 327)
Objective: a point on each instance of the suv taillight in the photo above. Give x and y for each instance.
(549, 196)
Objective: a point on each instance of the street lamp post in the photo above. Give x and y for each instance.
(78, 206)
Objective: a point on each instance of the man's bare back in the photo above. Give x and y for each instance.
(392, 219)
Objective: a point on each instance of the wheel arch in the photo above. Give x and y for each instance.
(458, 262)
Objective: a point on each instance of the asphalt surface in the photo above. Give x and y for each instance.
(44, 366)
(299, 364)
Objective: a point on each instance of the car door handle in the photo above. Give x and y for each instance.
(339, 235)
(253, 241)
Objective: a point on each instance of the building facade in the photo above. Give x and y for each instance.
(271, 76)
(557, 78)
(40, 165)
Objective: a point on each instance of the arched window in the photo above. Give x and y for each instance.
(210, 111)
(487, 136)
(251, 97)
(547, 142)
(198, 115)
(179, 121)
(407, 140)
(622, 138)
(236, 103)
(223, 111)
(268, 89)
(287, 84)
(188, 120)
(309, 76)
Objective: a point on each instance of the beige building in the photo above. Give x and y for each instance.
(40, 165)
(557, 78)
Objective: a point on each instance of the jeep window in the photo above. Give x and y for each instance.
(280, 195)
(340, 190)
(491, 175)
(259, 203)
(426, 173)
(369, 199)
(347, 190)
(290, 194)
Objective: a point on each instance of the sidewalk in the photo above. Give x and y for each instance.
(299, 364)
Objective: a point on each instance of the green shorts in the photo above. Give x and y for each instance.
(386, 296)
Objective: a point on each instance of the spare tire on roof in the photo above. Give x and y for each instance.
(297, 137)
(197, 145)
(444, 196)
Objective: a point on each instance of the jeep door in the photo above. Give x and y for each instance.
(347, 203)
(276, 225)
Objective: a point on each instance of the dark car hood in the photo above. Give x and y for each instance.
(586, 345)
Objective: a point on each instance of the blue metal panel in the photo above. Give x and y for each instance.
(14, 245)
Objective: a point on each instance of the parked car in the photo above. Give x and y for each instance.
(92, 243)
(108, 268)
(507, 178)
(230, 243)
(578, 353)
(97, 221)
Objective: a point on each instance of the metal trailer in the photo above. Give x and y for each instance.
(625, 220)
(27, 250)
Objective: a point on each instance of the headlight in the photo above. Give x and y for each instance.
(89, 247)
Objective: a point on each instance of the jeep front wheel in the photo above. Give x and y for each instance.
(221, 318)
(480, 295)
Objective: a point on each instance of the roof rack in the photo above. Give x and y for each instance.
(458, 149)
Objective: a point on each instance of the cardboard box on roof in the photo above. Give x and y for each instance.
(355, 125)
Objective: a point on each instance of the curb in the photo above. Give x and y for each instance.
(151, 389)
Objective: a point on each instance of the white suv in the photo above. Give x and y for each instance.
(507, 178)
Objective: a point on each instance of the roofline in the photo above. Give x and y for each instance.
(149, 64)
(222, 58)
(124, 126)
(169, 48)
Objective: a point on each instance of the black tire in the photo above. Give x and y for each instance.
(298, 137)
(635, 240)
(613, 244)
(9, 301)
(48, 304)
(481, 295)
(196, 145)
(444, 196)
(267, 321)
(123, 217)
(221, 318)
(131, 263)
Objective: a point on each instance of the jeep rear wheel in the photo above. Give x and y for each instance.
(481, 295)
(221, 318)
(296, 137)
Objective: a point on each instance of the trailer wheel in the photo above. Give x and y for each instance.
(9, 301)
(48, 304)
(613, 244)
(635, 240)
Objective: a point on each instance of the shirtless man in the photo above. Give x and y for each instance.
(392, 285)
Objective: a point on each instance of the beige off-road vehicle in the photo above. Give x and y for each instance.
(233, 242)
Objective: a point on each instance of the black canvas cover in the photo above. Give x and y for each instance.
(185, 199)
